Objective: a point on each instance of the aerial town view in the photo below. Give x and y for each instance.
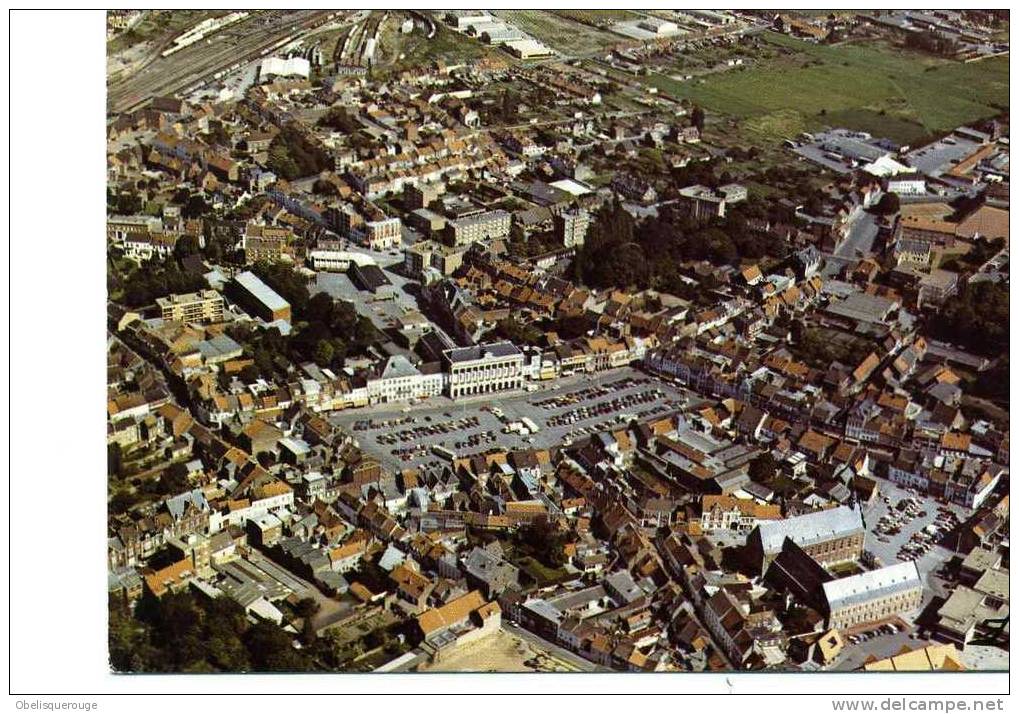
(557, 341)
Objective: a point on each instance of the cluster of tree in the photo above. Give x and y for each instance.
(763, 468)
(290, 284)
(933, 43)
(834, 37)
(618, 253)
(337, 653)
(697, 117)
(993, 383)
(772, 211)
(544, 542)
(339, 119)
(221, 241)
(321, 187)
(965, 204)
(649, 162)
(518, 332)
(124, 497)
(141, 286)
(888, 205)
(792, 181)
(983, 250)
(610, 255)
(293, 154)
(126, 204)
(114, 460)
(571, 326)
(183, 633)
(506, 110)
(975, 319)
(193, 205)
(332, 331)
(325, 332)
(739, 153)
(534, 244)
(269, 351)
(816, 348)
(702, 172)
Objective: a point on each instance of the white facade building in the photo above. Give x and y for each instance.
(279, 67)
(401, 381)
(483, 369)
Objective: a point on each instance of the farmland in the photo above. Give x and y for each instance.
(559, 32)
(598, 18)
(885, 91)
(401, 52)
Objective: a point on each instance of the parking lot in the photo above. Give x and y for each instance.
(567, 410)
(904, 525)
(941, 155)
(382, 312)
(879, 643)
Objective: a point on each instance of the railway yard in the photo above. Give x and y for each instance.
(227, 50)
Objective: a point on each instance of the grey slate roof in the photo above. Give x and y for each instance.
(811, 528)
(863, 587)
(493, 349)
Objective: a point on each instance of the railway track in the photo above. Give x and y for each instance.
(193, 66)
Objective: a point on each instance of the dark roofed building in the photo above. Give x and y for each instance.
(370, 278)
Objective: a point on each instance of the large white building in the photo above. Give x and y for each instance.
(337, 260)
(659, 27)
(874, 595)
(279, 67)
(908, 184)
(400, 381)
(483, 369)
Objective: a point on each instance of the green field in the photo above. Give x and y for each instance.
(418, 51)
(598, 18)
(558, 32)
(887, 92)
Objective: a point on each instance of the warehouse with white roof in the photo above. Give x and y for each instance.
(280, 67)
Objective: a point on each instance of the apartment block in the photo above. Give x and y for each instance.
(571, 227)
(205, 306)
(489, 225)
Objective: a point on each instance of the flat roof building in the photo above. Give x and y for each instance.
(969, 608)
(527, 49)
(258, 299)
(203, 306)
(489, 225)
